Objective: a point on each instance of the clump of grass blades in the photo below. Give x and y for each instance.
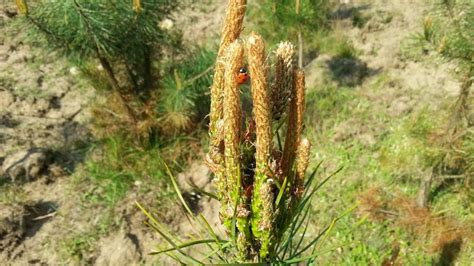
(116, 166)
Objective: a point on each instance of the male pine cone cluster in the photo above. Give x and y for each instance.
(259, 185)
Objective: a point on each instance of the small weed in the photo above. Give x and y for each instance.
(336, 44)
(6, 81)
(77, 247)
(184, 98)
(12, 194)
(279, 20)
(385, 17)
(117, 165)
(358, 19)
(80, 246)
(407, 150)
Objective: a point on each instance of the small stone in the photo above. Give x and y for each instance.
(120, 250)
(367, 139)
(25, 165)
(198, 175)
(17, 57)
(74, 71)
(166, 24)
(6, 98)
(400, 106)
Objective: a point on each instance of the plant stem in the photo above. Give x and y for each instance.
(300, 38)
(148, 79)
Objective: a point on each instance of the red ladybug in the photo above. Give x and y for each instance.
(243, 76)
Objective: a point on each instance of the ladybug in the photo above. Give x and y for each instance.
(243, 76)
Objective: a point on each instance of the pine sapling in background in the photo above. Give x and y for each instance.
(125, 48)
(150, 89)
(448, 32)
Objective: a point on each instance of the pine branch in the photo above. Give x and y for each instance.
(106, 64)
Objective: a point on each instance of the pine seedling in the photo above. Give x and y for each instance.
(124, 39)
(264, 196)
(263, 207)
(260, 186)
(448, 32)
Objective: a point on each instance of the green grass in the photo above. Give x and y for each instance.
(277, 20)
(116, 164)
(335, 43)
(11, 194)
(402, 149)
(79, 247)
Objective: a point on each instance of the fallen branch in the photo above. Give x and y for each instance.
(44, 216)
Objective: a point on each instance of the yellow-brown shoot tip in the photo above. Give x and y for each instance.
(283, 84)
(232, 108)
(261, 99)
(285, 50)
(299, 90)
(233, 23)
(302, 159)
